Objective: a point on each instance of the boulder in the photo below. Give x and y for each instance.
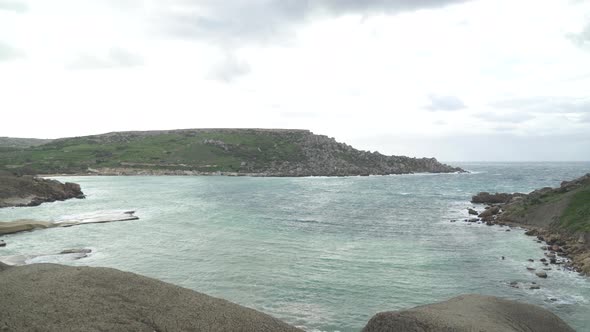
(541, 274)
(472, 211)
(492, 211)
(50, 297)
(469, 313)
(2, 243)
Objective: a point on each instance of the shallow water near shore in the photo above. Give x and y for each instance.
(320, 253)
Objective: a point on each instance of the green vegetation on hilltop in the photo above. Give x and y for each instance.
(576, 216)
(207, 151)
(566, 207)
(11, 143)
(271, 152)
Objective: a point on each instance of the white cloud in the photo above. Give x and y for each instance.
(366, 74)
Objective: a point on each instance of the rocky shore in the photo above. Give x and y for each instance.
(29, 190)
(50, 297)
(17, 226)
(558, 217)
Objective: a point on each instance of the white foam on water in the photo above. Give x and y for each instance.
(97, 217)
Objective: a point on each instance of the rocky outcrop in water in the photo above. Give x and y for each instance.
(17, 226)
(31, 191)
(469, 313)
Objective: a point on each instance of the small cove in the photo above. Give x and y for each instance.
(321, 253)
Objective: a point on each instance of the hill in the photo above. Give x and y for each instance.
(19, 143)
(262, 152)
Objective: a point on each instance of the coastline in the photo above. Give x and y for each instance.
(500, 234)
(541, 213)
(151, 172)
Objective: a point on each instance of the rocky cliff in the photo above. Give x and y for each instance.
(262, 152)
(30, 191)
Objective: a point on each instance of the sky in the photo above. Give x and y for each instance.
(459, 80)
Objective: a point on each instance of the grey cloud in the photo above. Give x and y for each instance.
(387, 6)
(115, 58)
(546, 104)
(232, 24)
(8, 52)
(14, 6)
(445, 103)
(240, 21)
(229, 69)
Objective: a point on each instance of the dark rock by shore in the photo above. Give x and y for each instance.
(31, 191)
(497, 198)
(469, 313)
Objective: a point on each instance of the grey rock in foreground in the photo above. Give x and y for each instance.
(50, 297)
(469, 313)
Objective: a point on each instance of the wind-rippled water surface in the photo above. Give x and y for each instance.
(320, 253)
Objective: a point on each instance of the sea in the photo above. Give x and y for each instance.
(321, 253)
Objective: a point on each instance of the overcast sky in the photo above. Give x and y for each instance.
(452, 79)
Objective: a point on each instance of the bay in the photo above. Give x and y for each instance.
(321, 253)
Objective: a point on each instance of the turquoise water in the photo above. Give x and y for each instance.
(320, 253)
